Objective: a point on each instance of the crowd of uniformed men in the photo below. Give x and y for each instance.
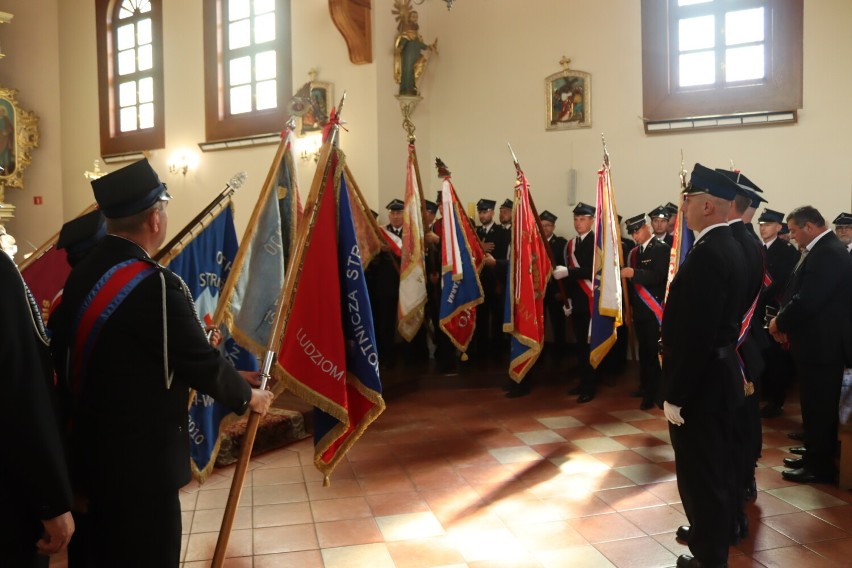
(744, 315)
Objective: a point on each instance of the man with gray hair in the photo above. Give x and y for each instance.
(815, 320)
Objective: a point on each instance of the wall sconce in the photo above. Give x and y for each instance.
(310, 148)
(182, 161)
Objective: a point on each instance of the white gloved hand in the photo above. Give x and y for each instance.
(560, 272)
(672, 413)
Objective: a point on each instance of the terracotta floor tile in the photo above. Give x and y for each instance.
(202, 545)
(489, 544)
(839, 551)
(598, 445)
(282, 514)
(285, 493)
(340, 509)
(614, 429)
(767, 505)
(384, 504)
(631, 415)
(656, 520)
(643, 552)
(656, 453)
(578, 433)
(303, 559)
(638, 440)
(358, 556)
(626, 498)
(586, 556)
(537, 437)
(667, 491)
(348, 532)
(605, 528)
(210, 520)
(425, 553)
(218, 498)
(385, 466)
(791, 557)
(841, 517)
(274, 476)
(554, 535)
(620, 458)
(646, 473)
(397, 482)
(409, 526)
(558, 422)
(806, 497)
(241, 562)
(804, 528)
(651, 424)
(291, 538)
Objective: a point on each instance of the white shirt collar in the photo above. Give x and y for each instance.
(707, 230)
(732, 221)
(818, 237)
(768, 244)
(583, 236)
(642, 246)
(487, 227)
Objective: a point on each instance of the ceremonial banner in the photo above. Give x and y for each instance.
(607, 293)
(529, 271)
(248, 304)
(289, 201)
(46, 277)
(204, 264)
(461, 260)
(364, 403)
(683, 239)
(412, 272)
(367, 230)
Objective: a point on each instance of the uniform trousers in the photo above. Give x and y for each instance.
(706, 481)
(778, 374)
(648, 338)
(819, 387)
(134, 530)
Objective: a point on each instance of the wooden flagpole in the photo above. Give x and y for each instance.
(282, 317)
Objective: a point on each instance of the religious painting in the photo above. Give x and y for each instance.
(18, 136)
(568, 99)
(316, 98)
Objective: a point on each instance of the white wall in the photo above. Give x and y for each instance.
(484, 88)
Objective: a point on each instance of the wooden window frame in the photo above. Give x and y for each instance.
(219, 125)
(780, 91)
(114, 142)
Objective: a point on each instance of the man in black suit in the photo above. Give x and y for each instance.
(128, 370)
(781, 257)
(35, 491)
(553, 298)
(495, 239)
(647, 268)
(578, 256)
(702, 385)
(660, 224)
(843, 229)
(815, 318)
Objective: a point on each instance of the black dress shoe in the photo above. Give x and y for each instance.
(682, 533)
(800, 436)
(585, 397)
(646, 404)
(803, 475)
(798, 451)
(740, 531)
(575, 390)
(687, 561)
(771, 411)
(794, 463)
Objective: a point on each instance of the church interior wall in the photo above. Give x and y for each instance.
(484, 88)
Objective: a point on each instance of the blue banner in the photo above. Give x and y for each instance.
(204, 264)
(363, 386)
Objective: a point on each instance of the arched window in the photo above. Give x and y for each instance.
(130, 75)
(247, 69)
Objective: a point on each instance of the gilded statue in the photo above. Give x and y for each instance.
(409, 61)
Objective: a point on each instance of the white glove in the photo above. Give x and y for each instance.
(560, 272)
(672, 413)
(568, 309)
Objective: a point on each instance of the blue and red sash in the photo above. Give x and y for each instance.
(109, 292)
(644, 294)
(585, 284)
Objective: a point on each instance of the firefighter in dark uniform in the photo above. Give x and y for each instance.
(385, 277)
(702, 385)
(660, 224)
(35, 490)
(553, 299)
(672, 209)
(578, 257)
(647, 267)
(506, 214)
(843, 229)
(490, 339)
(781, 258)
(129, 371)
(753, 338)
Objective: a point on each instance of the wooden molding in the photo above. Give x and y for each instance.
(353, 19)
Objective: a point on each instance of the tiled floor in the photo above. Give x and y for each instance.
(455, 477)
